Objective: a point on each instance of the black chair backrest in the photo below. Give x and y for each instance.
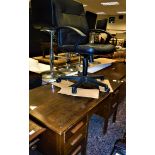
(91, 19)
(42, 13)
(102, 24)
(70, 13)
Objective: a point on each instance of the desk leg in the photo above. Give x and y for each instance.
(114, 115)
(105, 126)
(83, 151)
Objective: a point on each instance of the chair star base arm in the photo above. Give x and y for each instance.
(80, 80)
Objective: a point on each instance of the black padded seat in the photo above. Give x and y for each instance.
(95, 49)
(89, 49)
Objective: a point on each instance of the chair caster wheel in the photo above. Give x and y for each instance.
(74, 90)
(102, 78)
(107, 89)
(58, 80)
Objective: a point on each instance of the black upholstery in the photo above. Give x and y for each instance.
(89, 49)
(42, 13)
(35, 38)
(91, 19)
(71, 13)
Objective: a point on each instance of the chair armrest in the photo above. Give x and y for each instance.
(80, 33)
(47, 29)
(101, 31)
(73, 29)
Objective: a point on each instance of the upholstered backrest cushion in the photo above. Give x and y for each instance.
(70, 13)
(42, 13)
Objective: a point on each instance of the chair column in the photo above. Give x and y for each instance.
(85, 66)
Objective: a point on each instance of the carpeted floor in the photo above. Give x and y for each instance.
(99, 144)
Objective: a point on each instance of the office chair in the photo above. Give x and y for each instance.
(73, 36)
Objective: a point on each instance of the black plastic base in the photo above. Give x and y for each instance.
(85, 80)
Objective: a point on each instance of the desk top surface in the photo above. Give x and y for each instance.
(58, 112)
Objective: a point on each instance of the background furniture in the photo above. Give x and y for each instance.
(44, 18)
(36, 37)
(91, 19)
(102, 24)
(66, 117)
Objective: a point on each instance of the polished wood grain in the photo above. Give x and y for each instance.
(58, 111)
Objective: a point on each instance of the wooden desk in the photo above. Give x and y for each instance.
(35, 132)
(66, 117)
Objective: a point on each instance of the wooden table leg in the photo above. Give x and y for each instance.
(105, 126)
(114, 115)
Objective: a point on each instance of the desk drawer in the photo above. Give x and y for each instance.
(75, 128)
(75, 139)
(77, 149)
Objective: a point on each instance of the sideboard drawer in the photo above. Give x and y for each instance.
(75, 128)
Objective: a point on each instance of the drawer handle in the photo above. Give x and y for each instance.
(34, 142)
(116, 92)
(77, 127)
(76, 140)
(114, 105)
(77, 150)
